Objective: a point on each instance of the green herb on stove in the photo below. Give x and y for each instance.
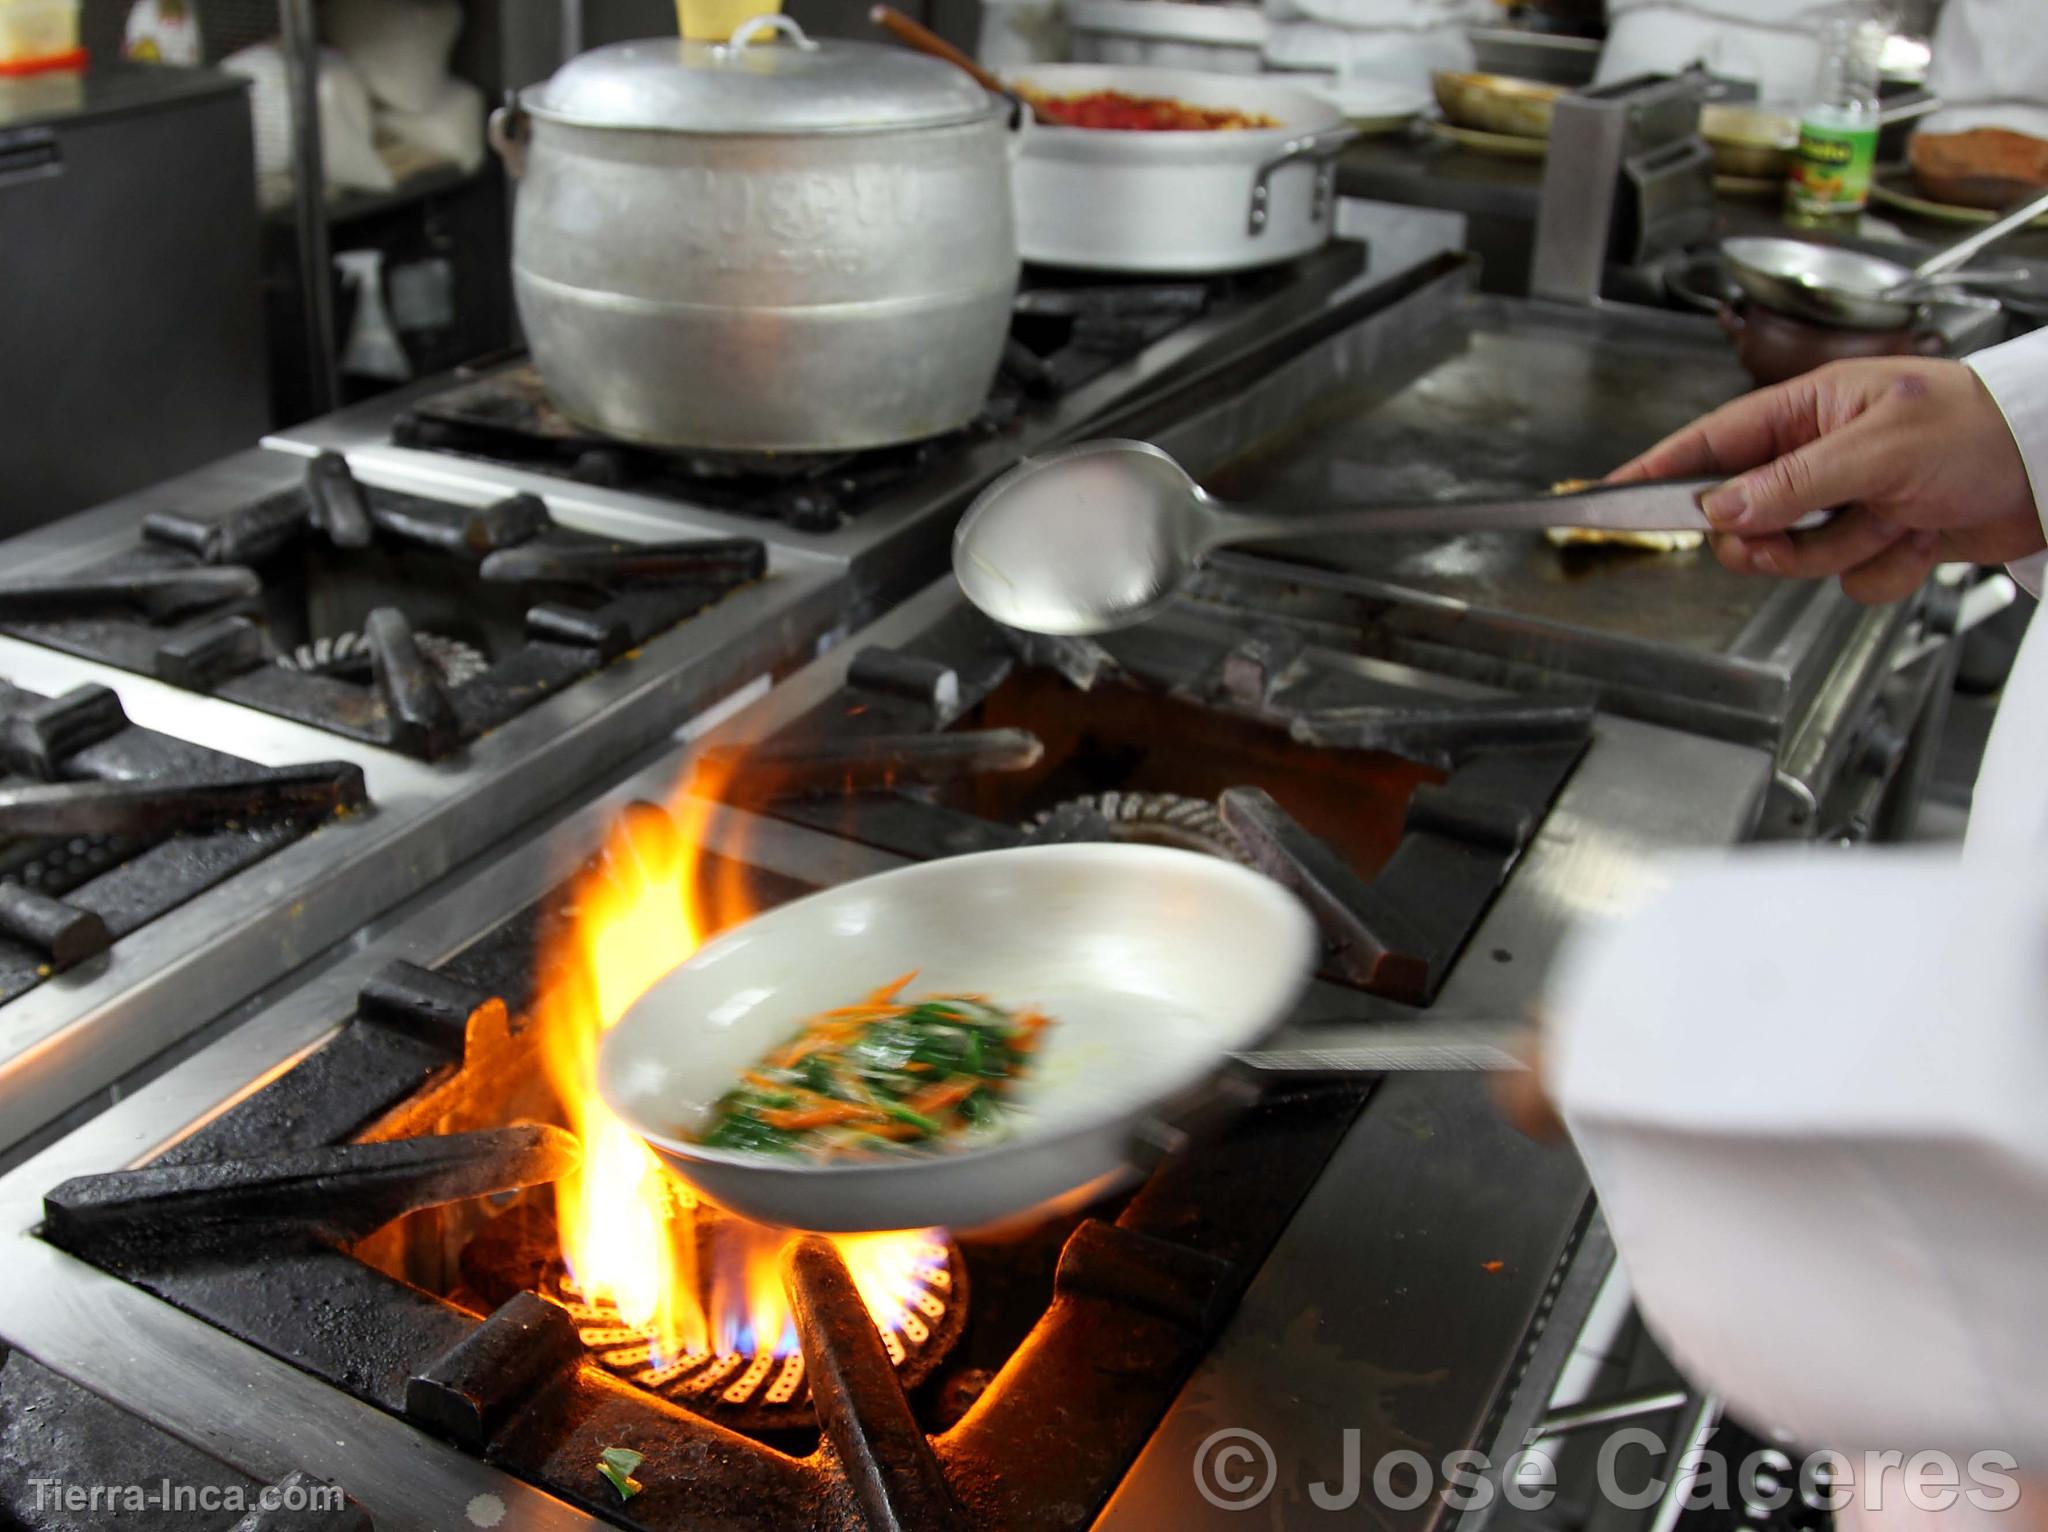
(617, 1465)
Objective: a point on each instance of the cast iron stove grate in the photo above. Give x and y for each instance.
(1062, 337)
(1396, 811)
(105, 826)
(287, 1220)
(402, 622)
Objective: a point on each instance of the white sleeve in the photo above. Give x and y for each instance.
(1810, 1091)
(2016, 373)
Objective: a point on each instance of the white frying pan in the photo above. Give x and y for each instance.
(1152, 963)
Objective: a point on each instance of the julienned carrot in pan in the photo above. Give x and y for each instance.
(879, 1076)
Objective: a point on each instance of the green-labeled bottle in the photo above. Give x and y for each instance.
(1831, 170)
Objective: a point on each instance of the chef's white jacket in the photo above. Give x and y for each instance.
(1811, 1088)
(1990, 64)
(1990, 67)
(1773, 44)
(1404, 41)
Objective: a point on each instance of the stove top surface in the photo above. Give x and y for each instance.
(1490, 403)
(1395, 806)
(339, 1253)
(404, 1182)
(356, 1181)
(1443, 391)
(413, 1363)
(387, 618)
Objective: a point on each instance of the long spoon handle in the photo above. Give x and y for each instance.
(1951, 256)
(915, 35)
(1663, 505)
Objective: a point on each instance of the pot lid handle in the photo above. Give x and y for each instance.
(755, 28)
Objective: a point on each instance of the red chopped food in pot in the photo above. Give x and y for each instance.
(1117, 110)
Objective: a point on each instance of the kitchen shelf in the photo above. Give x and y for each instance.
(349, 206)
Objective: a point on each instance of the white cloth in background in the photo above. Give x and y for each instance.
(348, 152)
(1400, 40)
(401, 46)
(1990, 67)
(1811, 1088)
(1770, 42)
(451, 129)
(1018, 32)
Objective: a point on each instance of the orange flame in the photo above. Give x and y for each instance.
(627, 1222)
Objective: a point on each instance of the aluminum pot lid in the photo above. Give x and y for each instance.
(770, 78)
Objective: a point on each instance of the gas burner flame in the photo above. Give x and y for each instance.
(744, 1376)
(628, 1223)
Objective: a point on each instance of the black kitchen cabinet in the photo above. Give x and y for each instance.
(131, 328)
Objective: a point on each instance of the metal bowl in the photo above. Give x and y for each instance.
(1820, 283)
(1496, 103)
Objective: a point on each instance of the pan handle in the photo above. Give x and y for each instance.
(1320, 147)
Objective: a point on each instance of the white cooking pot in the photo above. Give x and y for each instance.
(1177, 202)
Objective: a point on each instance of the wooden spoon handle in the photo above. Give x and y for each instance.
(912, 35)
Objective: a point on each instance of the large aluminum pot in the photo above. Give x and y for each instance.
(767, 244)
(1177, 201)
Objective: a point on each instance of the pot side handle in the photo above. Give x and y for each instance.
(1023, 123)
(1320, 147)
(506, 133)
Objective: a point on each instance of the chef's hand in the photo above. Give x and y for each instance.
(1915, 452)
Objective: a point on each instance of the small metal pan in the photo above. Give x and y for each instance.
(1846, 288)
(1821, 283)
(1155, 965)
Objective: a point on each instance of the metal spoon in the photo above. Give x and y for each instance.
(1917, 288)
(1952, 257)
(1101, 535)
(1834, 285)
